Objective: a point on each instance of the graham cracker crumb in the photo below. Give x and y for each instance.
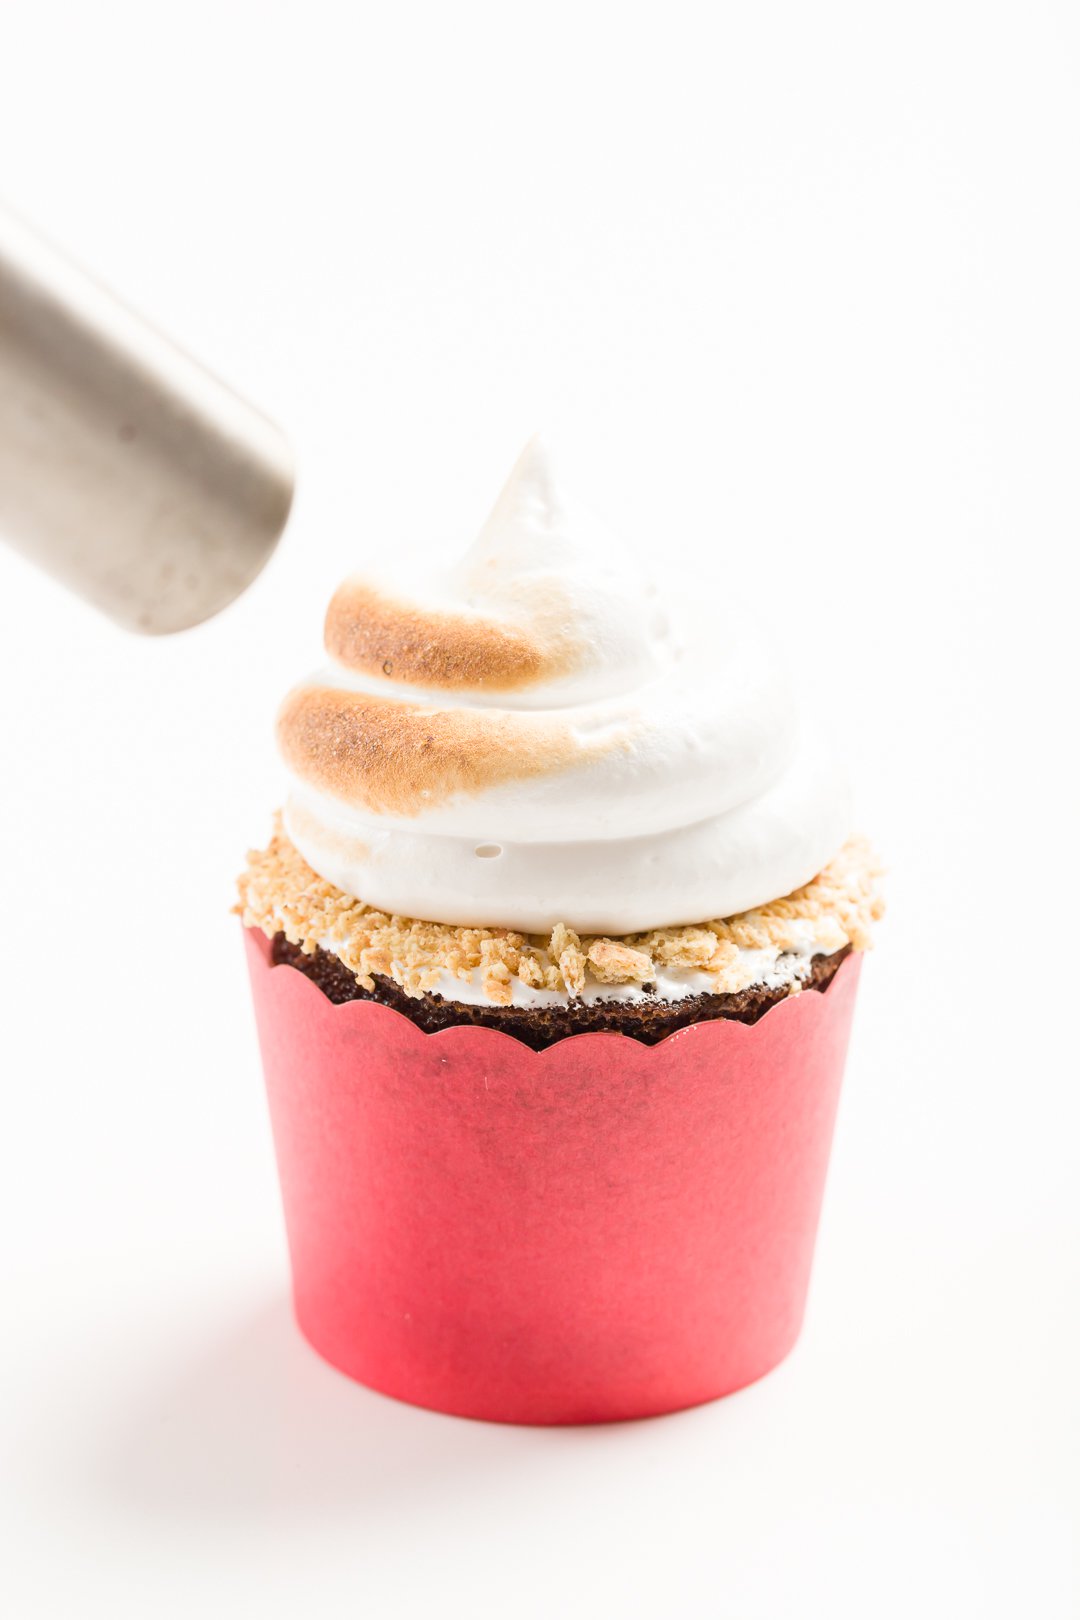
(615, 963)
(280, 893)
(685, 947)
(562, 939)
(497, 984)
(530, 971)
(572, 966)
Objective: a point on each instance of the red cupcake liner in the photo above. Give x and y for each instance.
(601, 1230)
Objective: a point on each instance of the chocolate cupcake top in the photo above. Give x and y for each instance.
(535, 739)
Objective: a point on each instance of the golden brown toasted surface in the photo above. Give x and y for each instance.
(375, 635)
(280, 894)
(394, 758)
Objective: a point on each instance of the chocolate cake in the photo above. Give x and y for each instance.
(648, 1020)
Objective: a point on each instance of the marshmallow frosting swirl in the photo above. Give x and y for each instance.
(535, 737)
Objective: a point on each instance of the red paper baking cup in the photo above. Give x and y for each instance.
(601, 1230)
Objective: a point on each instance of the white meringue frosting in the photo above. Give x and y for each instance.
(535, 736)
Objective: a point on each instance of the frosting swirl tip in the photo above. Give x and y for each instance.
(632, 768)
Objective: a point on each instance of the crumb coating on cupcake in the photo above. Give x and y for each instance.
(281, 894)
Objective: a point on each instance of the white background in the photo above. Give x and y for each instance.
(796, 288)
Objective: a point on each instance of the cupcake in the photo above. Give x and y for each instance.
(554, 950)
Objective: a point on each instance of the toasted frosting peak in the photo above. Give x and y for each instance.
(542, 599)
(531, 736)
